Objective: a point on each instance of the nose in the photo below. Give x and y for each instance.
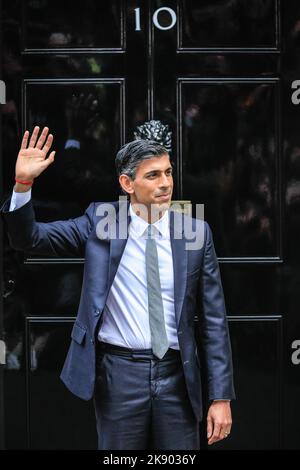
(164, 182)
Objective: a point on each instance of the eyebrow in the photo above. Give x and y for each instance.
(157, 171)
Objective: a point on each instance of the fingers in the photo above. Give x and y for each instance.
(225, 431)
(42, 138)
(216, 434)
(49, 160)
(38, 144)
(25, 140)
(209, 428)
(219, 421)
(34, 136)
(48, 144)
(217, 431)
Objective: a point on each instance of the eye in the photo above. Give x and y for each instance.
(152, 175)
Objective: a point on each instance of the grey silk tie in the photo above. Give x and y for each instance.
(159, 338)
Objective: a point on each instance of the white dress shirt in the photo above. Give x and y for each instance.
(19, 199)
(126, 316)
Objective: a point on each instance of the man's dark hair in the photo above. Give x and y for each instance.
(133, 153)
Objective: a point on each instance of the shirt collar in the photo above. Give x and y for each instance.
(139, 226)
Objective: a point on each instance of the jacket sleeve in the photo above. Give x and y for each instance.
(214, 334)
(60, 238)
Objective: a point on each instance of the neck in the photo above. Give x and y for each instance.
(149, 213)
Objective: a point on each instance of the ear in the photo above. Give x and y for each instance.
(126, 183)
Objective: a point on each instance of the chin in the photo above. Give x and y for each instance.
(164, 205)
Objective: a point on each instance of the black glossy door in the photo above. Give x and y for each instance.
(222, 75)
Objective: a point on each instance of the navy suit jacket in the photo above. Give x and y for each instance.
(197, 291)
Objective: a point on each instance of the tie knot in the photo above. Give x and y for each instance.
(151, 231)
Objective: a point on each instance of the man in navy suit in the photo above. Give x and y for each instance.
(134, 344)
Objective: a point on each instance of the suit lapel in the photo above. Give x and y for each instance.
(179, 255)
(117, 244)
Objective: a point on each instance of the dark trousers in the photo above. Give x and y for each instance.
(141, 402)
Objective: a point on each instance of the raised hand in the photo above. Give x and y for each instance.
(32, 161)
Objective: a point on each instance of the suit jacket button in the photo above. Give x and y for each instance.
(92, 341)
(96, 312)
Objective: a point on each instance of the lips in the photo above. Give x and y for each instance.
(164, 196)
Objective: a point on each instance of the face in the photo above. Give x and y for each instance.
(153, 184)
